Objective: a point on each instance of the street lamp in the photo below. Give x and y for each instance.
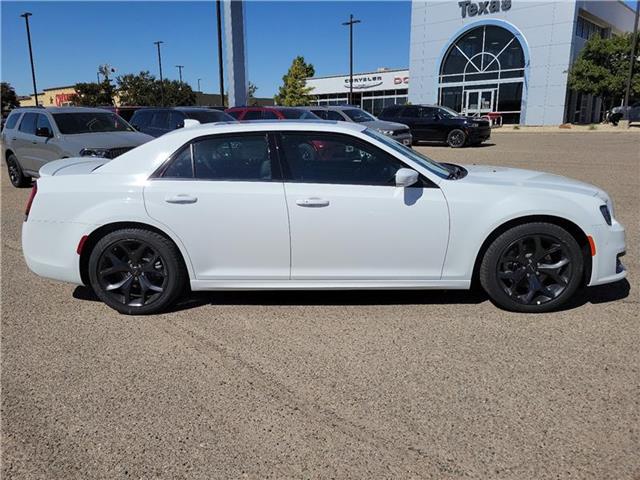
(351, 23)
(220, 68)
(180, 67)
(199, 84)
(26, 16)
(157, 44)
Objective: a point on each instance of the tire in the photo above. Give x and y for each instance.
(17, 178)
(532, 268)
(456, 138)
(145, 268)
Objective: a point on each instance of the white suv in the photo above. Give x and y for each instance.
(35, 136)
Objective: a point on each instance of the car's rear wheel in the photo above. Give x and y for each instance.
(535, 267)
(16, 175)
(136, 271)
(456, 138)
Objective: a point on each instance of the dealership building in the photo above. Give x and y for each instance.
(510, 57)
(506, 58)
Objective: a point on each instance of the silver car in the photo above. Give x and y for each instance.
(35, 136)
(348, 113)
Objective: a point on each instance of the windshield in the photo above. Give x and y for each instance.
(292, 113)
(447, 112)
(209, 116)
(420, 159)
(90, 122)
(358, 115)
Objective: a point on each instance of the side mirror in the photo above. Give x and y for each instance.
(44, 132)
(405, 177)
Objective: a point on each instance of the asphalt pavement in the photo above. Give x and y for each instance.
(331, 384)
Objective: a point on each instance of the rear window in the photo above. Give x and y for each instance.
(12, 120)
(88, 122)
(208, 116)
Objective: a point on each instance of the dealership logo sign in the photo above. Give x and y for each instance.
(483, 8)
(364, 82)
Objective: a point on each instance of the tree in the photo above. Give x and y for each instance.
(251, 94)
(9, 98)
(93, 94)
(294, 90)
(602, 69)
(143, 89)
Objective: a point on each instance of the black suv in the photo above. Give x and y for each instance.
(434, 123)
(158, 121)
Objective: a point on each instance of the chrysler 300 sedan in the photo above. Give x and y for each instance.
(313, 205)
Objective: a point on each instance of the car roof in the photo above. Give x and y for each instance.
(269, 107)
(179, 109)
(145, 159)
(63, 109)
(336, 107)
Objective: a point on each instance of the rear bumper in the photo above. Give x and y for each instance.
(49, 248)
(610, 246)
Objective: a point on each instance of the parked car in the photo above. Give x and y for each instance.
(33, 137)
(313, 205)
(271, 113)
(125, 112)
(348, 113)
(631, 113)
(158, 121)
(434, 123)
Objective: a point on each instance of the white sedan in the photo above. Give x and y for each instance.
(313, 205)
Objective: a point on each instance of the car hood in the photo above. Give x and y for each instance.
(488, 175)
(383, 125)
(108, 139)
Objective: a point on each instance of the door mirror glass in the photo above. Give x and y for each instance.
(44, 132)
(405, 177)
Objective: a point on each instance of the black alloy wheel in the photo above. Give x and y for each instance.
(16, 177)
(136, 271)
(534, 267)
(456, 138)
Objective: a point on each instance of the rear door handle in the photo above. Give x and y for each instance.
(312, 202)
(181, 199)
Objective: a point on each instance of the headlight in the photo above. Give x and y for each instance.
(94, 152)
(606, 214)
(387, 132)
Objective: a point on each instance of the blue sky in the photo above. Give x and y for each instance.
(70, 39)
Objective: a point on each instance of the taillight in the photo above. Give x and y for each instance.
(34, 190)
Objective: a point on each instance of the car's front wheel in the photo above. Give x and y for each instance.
(16, 175)
(535, 267)
(136, 271)
(456, 138)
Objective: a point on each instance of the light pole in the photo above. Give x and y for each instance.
(220, 67)
(180, 67)
(199, 85)
(157, 44)
(633, 55)
(26, 16)
(351, 23)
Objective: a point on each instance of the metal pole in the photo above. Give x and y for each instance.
(350, 23)
(199, 84)
(180, 67)
(220, 66)
(160, 67)
(26, 16)
(633, 55)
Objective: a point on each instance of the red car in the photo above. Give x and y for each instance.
(271, 113)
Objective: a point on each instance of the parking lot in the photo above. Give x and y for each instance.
(332, 384)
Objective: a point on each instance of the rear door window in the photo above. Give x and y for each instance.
(160, 120)
(12, 120)
(332, 115)
(269, 115)
(28, 123)
(176, 120)
(253, 115)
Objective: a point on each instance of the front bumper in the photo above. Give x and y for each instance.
(479, 134)
(610, 245)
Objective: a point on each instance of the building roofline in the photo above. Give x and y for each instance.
(58, 88)
(361, 73)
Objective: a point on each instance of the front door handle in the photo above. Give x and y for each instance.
(181, 199)
(312, 202)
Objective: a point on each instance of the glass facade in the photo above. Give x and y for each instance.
(372, 101)
(482, 73)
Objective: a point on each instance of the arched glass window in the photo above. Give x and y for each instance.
(484, 53)
(483, 72)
